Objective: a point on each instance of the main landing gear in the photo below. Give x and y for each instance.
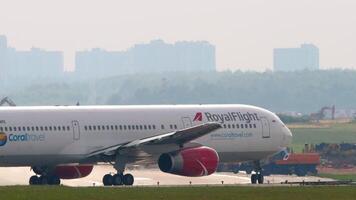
(119, 178)
(44, 177)
(258, 176)
(44, 180)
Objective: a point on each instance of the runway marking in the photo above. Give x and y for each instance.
(143, 179)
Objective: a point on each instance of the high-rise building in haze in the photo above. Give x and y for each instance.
(156, 56)
(292, 59)
(32, 64)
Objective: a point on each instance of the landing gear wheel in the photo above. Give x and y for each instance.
(260, 178)
(43, 180)
(107, 180)
(128, 179)
(254, 178)
(34, 180)
(118, 179)
(54, 180)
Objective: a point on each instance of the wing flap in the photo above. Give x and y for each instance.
(178, 138)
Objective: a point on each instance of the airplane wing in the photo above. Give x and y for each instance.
(176, 138)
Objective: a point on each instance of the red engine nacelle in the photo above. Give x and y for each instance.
(198, 161)
(72, 172)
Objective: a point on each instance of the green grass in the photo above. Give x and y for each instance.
(341, 177)
(172, 193)
(336, 133)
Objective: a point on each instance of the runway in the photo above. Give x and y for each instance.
(147, 177)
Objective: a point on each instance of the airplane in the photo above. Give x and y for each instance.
(65, 142)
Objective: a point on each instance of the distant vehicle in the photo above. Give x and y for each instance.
(299, 164)
(64, 142)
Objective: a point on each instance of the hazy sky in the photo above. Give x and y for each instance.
(244, 32)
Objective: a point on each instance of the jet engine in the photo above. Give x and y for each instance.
(197, 161)
(73, 171)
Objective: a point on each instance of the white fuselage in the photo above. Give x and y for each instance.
(34, 136)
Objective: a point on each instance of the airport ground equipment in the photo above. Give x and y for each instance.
(299, 164)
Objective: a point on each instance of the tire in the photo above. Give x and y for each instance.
(43, 180)
(107, 180)
(34, 180)
(254, 178)
(260, 179)
(54, 180)
(128, 179)
(117, 179)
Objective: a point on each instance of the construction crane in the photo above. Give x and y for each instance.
(8, 101)
(321, 114)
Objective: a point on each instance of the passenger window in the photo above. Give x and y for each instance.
(228, 126)
(59, 128)
(99, 128)
(68, 128)
(129, 127)
(46, 128)
(171, 126)
(1, 129)
(133, 127)
(5, 128)
(37, 128)
(24, 128)
(28, 128)
(108, 127)
(120, 127)
(94, 128)
(112, 127)
(137, 127)
(19, 129)
(124, 127)
(103, 127)
(41, 128)
(233, 126)
(162, 126)
(85, 128)
(145, 127)
(89, 128)
(250, 125)
(246, 125)
(141, 127)
(149, 127)
(63, 128)
(50, 128)
(242, 126)
(153, 127)
(175, 126)
(224, 125)
(15, 129)
(254, 125)
(55, 128)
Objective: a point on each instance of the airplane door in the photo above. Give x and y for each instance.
(76, 130)
(266, 132)
(187, 122)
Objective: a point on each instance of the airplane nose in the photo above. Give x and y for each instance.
(287, 136)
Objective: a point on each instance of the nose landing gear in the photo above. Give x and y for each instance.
(258, 176)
